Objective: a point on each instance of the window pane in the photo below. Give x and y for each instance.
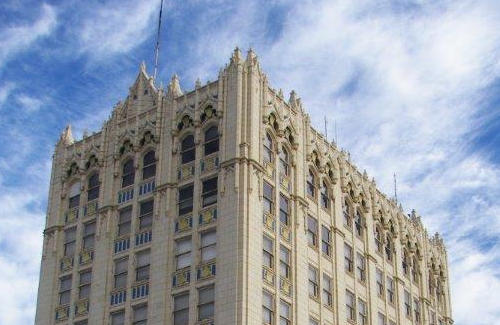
(65, 283)
(183, 245)
(142, 258)
(205, 295)
(140, 313)
(118, 318)
(181, 302)
(208, 253)
(208, 238)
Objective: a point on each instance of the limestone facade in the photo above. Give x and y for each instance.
(223, 205)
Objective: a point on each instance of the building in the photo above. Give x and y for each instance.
(223, 205)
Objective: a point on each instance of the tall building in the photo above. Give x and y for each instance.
(223, 205)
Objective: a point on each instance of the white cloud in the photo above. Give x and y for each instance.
(18, 38)
(5, 91)
(30, 104)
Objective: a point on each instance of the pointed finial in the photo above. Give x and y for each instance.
(365, 174)
(174, 87)
(292, 100)
(143, 66)
(280, 93)
(197, 83)
(251, 56)
(236, 58)
(67, 136)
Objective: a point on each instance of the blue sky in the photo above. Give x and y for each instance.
(414, 87)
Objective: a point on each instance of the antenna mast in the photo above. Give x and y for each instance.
(157, 47)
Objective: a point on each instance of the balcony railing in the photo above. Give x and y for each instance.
(90, 209)
(269, 221)
(118, 296)
(209, 163)
(285, 286)
(66, 263)
(72, 214)
(146, 187)
(140, 290)
(126, 194)
(122, 244)
(86, 256)
(285, 232)
(62, 313)
(186, 171)
(143, 237)
(205, 271)
(268, 275)
(81, 307)
(184, 223)
(181, 277)
(207, 216)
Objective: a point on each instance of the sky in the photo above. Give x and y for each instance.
(412, 86)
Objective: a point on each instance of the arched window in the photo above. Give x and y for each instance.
(325, 200)
(149, 165)
(404, 262)
(358, 223)
(187, 149)
(93, 187)
(74, 195)
(268, 149)
(378, 239)
(311, 187)
(347, 214)
(388, 248)
(128, 173)
(211, 140)
(284, 164)
(415, 269)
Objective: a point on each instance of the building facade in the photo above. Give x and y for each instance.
(223, 205)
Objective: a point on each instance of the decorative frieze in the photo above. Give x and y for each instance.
(205, 271)
(207, 216)
(181, 277)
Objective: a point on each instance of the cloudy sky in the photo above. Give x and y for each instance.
(413, 86)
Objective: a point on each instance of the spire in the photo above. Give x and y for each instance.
(236, 57)
(66, 136)
(292, 101)
(174, 88)
(197, 83)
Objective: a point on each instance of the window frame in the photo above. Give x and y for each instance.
(314, 282)
(209, 194)
(189, 200)
(188, 150)
(212, 141)
(128, 173)
(149, 166)
(312, 231)
(93, 188)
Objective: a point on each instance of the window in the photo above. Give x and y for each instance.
(284, 164)
(284, 210)
(181, 309)
(186, 199)
(188, 151)
(146, 215)
(404, 262)
(362, 313)
(267, 308)
(284, 262)
(121, 273)
(84, 287)
(285, 314)
(327, 290)
(348, 258)
(142, 268)
(378, 239)
(268, 149)
(313, 281)
(349, 303)
(183, 252)
(381, 319)
(89, 235)
(346, 214)
(311, 188)
(128, 173)
(65, 290)
(118, 318)
(326, 241)
(208, 246)
(388, 248)
(74, 195)
(415, 270)
(268, 196)
(69, 242)
(416, 310)
(325, 200)
(211, 140)
(390, 290)
(206, 299)
(268, 255)
(93, 187)
(124, 221)
(380, 282)
(360, 267)
(312, 231)
(358, 223)
(149, 165)
(407, 302)
(140, 315)
(209, 193)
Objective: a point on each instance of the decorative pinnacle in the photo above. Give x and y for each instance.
(67, 136)
(236, 58)
(174, 87)
(292, 100)
(197, 83)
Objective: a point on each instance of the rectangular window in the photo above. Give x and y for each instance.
(268, 202)
(416, 310)
(380, 282)
(268, 252)
(142, 267)
(93, 189)
(349, 303)
(284, 262)
(407, 302)
(89, 235)
(146, 215)
(84, 287)
(74, 195)
(285, 314)
(121, 272)
(209, 193)
(346, 215)
(390, 290)
(312, 231)
(284, 210)
(186, 199)
(118, 318)
(65, 290)
(206, 299)
(124, 221)
(362, 313)
(140, 315)
(313, 281)
(69, 242)
(181, 309)
(360, 267)
(208, 246)
(348, 259)
(327, 290)
(381, 319)
(267, 308)
(326, 241)
(183, 252)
